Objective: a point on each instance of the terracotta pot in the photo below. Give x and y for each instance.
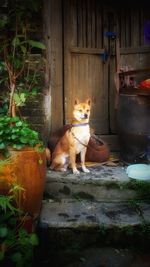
(97, 151)
(27, 167)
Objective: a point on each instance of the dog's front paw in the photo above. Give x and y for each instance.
(85, 170)
(75, 171)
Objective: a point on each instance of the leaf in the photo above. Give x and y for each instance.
(19, 123)
(1, 255)
(16, 41)
(19, 99)
(14, 136)
(24, 140)
(23, 97)
(34, 239)
(3, 21)
(23, 49)
(13, 119)
(40, 161)
(16, 257)
(34, 91)
(2, 146)
(18, 146)
(36, 44)
(17, 63)
(3, 231)
(16, 99)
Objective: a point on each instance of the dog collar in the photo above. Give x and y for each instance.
(80, 124)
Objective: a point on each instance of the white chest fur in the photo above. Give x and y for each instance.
(81, 136)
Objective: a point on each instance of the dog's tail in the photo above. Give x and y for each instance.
(48, 156)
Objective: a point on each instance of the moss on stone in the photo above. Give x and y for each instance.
(83, 195)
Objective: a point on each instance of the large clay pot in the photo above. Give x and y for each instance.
(133, 121)
(26, 167)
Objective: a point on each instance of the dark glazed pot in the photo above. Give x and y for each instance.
(133, 124)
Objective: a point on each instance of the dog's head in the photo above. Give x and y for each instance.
(81, 111)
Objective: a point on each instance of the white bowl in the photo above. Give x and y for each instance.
(139, 171)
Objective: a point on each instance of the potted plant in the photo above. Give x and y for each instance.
(19, 80)
(26, 165)
(17, 240)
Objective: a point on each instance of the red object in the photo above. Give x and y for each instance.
(145, 84)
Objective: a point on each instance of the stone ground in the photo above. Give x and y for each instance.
(112, 257)
(107, 256)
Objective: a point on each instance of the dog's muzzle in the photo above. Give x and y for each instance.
(84, 116)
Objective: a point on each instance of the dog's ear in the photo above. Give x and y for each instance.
(88, 101)
(76, 102)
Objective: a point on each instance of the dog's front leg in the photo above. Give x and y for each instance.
(73, 161)
(82, 154)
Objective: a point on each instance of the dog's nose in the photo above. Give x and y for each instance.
(85, 115)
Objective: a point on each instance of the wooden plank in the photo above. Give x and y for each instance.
(132, 50)
(53, 9)
(106, 66)
(89, 26)
(70, 40)
(99, 28)
(112, 98)
(93, 27)
(122, 28)
(134, 71)
(47, 90)
(83, 50)
(79, 24)
(141, 22)
(84, 19)
(135, 36)
(127, 28)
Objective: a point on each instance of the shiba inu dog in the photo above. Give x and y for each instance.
(74, 141)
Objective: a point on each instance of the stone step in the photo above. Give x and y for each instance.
(80, 214)
(103, 183)
(67, 227)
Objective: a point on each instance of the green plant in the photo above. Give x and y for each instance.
(16, 243)
(16, 133)
(142, 189)
(20, 77)
(18, 73)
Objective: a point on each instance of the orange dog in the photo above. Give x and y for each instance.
(74, 141)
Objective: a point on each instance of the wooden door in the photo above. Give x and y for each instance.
(85, 71)
(87, 43)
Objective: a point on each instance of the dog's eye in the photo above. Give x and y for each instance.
(80, 110)
(87, 110)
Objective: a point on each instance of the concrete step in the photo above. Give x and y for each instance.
(103, 183)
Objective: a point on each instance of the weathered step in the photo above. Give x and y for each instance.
(86, 214)
(67, 227)
(103, 183)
